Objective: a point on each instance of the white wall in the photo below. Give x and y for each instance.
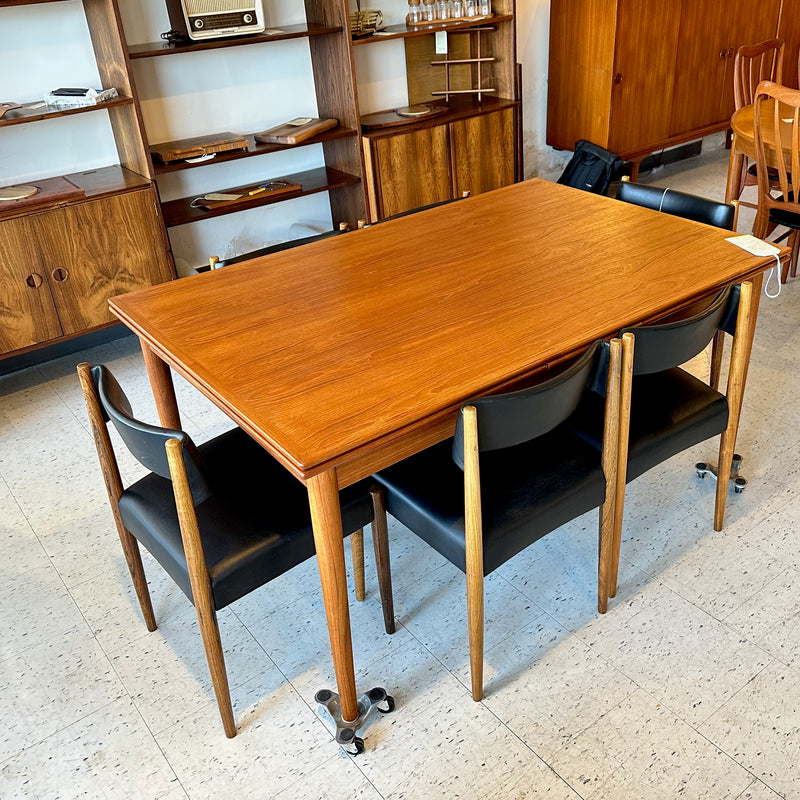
(241, 89)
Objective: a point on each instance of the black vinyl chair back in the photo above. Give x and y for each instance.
(679, 204)
(661, 347)
(280, 247)
(510, 419)
(147, 443)
(592, 168)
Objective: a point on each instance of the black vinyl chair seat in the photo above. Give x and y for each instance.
(259, 530)
(522, 496)
(670, 412)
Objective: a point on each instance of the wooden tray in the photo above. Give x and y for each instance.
(293, 133)
(51, 190)
(198, 146)
(260, 191)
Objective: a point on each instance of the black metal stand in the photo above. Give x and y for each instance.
(346, 730)
(739, 483)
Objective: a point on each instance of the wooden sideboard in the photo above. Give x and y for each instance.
(649, 74)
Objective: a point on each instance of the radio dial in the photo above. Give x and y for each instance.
(198, 23)
(248, 18)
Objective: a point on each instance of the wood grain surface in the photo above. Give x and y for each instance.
(354, 350)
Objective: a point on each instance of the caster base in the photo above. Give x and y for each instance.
(346, 730)
(739, 483)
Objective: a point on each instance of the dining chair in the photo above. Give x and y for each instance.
(592, 168)
(664, 408)
(776, 130)
(754, 63)
(687, 206)
(222, 518)
(511, 474)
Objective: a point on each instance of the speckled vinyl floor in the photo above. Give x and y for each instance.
(689, 686)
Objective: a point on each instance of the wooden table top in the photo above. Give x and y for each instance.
(742, 125)
(331, 354)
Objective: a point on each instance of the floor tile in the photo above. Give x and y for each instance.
(108, 754)
(760, 728)
(641, 751)
(51, 686)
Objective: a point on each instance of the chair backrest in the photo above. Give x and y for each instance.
(147, 443)
(755, 63)
(661, 347)
(279, 248)
(509, 419)
(679, 204)
(592, 168)
(776, 129)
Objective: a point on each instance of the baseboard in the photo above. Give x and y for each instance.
(63, 348)
(679, 153)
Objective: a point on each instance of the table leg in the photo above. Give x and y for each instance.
(163, 389)
(326, 517)
(735, 164)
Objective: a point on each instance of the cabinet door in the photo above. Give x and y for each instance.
(752, 21)
(644, 65)
(99, 249)
(483, 152)
(789, 31)
(27, 312)
(411, 170)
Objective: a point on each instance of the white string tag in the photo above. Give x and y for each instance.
(758, 247)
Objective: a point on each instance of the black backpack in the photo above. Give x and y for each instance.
(592, 168)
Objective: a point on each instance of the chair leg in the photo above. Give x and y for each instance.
(201, 584)
(133, 557)
(380, 543)
(209, 629)
(717, 351)
(475, 625)
(626, 384)
(357, 549)
(794, 243)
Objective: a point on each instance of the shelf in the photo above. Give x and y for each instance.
(164, 48)
(96, 183)
(407, 31)
(254, 148)
(322, 179)
(20, 116)
(459, 107)
(6, 3)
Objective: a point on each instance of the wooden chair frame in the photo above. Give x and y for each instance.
(474, 527)
(734, 393)
(193, 548)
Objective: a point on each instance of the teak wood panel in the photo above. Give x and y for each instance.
(789, 31)
(483, 152)
(411, 169)
(644, 63)
(27, 311)
(358, 355)
(106, 247)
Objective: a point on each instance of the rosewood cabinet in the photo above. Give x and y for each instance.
(636, 76)
(60, 266)
(407, 169)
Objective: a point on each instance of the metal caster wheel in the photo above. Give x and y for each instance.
(370, 701)
(351, 744)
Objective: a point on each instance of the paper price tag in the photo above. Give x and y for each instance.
(758, 247)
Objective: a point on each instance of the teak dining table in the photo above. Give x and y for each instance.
(351, 353)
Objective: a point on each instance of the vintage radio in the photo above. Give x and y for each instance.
(213, 19)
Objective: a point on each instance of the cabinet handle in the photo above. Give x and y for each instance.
(723, 54)
(34, 280)
(731, 52)
(618, 78)
(60, 274)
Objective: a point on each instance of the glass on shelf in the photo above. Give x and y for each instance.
(414, 14)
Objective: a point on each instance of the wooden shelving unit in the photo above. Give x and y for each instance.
(282, 33)
(255, 148)
(410, 31)
(322, 179)
(63, 258)
(35, 111)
